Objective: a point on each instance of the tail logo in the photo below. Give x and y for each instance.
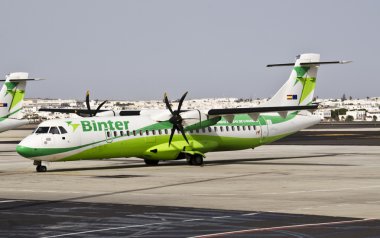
(74, 126)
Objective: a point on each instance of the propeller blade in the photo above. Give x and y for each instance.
(88, 102)
(166, 100)
(180, 127)
(171, 134)
(180, 102)
(100, 106)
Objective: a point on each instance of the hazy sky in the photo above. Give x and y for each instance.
(140, 49)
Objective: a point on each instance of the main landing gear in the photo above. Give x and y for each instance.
(40, 167)
(195, 159)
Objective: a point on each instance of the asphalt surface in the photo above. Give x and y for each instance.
(332, 137)
(25, 218)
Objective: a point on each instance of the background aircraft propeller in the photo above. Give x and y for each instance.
(90, 112)
(176, 118)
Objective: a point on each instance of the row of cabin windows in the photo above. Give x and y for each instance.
(168, 131)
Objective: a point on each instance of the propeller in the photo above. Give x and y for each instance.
(88, 105)
(176, 118)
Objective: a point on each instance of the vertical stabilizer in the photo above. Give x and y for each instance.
(12, 95)
(299, 89)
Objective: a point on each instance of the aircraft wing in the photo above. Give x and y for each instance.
(247, 110)
(86, 112)
(254, 112)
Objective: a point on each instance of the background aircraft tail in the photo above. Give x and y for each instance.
(12, 95)
(299, 89)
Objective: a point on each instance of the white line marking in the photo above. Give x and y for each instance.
(250, 214)
(280, 228)
(8, 201)
(106, 229)
(45, 191)
(221, 217)
(196, 219)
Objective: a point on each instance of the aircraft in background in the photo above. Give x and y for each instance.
(11, 98)
(155, 135)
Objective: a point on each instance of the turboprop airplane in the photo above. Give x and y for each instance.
(11, 98)
(155, 135)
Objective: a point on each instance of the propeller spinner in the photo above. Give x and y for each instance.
(176, 118)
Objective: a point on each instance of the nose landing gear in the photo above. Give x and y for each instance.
(40, 167)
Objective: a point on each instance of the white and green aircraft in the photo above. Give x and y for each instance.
(11, 98)
(155, 135)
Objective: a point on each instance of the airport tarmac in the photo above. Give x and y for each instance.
(274, 190)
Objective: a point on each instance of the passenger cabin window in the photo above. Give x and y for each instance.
(134, 133)
(243, 128)
(215, 128)
(42, 130)
(128, 133)
(147, 132)
(108, 134)
(54, 130)
(249, 128)
(238, 128)
(209, 129)
(221, 129)
(232, 128)
(141, 133)
(226, 128)
(159, 132)
(115, 133)
(121, 133)
(254, 128)
(63, 130)
(203, 130)
(166, 131)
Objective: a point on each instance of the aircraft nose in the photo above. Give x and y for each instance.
(25, 149)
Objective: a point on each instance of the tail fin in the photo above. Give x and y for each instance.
(12, 95)
(299, 89)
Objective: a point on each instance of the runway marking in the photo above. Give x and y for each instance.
(106, 229)
(195, 219)
(280, 228)
(221, 217)
(250, 214)
(6, 201)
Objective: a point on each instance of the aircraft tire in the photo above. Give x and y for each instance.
(41, 168)
(151, 162)
(197, 159)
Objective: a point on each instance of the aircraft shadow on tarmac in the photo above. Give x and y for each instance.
(252, 161)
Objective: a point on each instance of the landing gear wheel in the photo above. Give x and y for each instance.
(197, 159)
(41, 168)
(151, 162)
(189, 160)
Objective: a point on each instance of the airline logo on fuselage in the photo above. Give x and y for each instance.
(104, 125)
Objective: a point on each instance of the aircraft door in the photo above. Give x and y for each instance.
(264, 125)
(109, 135)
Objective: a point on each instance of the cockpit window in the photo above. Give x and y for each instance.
(42, 130)
(54, 130)
(63, 130)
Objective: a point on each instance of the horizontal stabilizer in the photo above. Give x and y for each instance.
(20, 80)
(311, 63)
